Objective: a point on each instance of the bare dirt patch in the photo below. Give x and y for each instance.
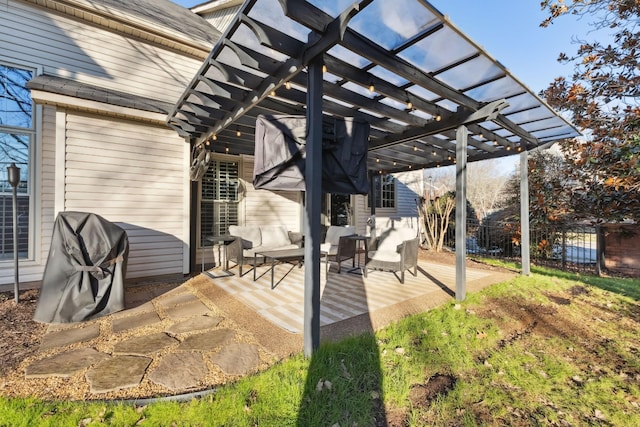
(421, 395)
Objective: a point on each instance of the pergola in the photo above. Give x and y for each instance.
(431, 95)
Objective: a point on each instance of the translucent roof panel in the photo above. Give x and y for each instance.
(388, 76)
(270, 13)
(243, 36)
(504, 87)
(348, 56)
(440, 49)
(391, 23)
(422, 92)
(427, 79)
(333, 7)
(470, 73)
(360, 90)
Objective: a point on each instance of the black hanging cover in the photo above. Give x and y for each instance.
(280, 154)
(85, 271)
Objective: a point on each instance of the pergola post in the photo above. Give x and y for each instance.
(313, 194)
(524, 213)
(461, 212)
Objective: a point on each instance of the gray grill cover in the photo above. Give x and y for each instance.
(280, 154)
(85, 271)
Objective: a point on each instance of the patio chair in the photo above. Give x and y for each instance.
(252, 239)
(395, 250)
(337, 246)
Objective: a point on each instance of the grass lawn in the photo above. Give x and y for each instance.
(550, 349)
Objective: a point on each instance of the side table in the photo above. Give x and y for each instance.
(362, 246)
(223, 239)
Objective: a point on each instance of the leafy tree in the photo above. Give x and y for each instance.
(549, 190)
(602, 98)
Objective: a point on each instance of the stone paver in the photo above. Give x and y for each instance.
(135, 311)
(68, 336)
(144, 345)
(174, 299)
(64, 364)
(207, 341)
(180, 371)
(194, 324)
(130, 322)
(194, 308)
(117, 373)
(237, 359)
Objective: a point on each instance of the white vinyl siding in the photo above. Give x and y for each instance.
(69, 49)
(221, 19)
(408, 187)
(264, 207)
(132, 175)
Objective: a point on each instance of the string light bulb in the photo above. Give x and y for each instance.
(324, 68)
(226, 149)
(438, 117)
(214, 137)
(287, 85)
(377, 160)
(415, 148)
(508, 147)
(371, 87)
(238, 133)
(409, 105)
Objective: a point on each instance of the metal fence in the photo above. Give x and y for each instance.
(567, 247)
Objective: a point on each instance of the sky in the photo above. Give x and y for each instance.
(509, 31)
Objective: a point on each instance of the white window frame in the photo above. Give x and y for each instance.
(35, 165)
(219, 158)
(388, 209)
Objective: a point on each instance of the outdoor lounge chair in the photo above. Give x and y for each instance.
(252, 239)
(395, 250)
(337, 246)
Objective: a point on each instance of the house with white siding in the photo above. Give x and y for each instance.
(85, 89)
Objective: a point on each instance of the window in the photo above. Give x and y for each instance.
(17, 133)
(218, 199)
(384, 188)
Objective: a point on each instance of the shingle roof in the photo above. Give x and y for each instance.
(162, 16)
(169, 15)
(68, 87)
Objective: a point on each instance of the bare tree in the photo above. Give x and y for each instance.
(436, 215)
(486, 183)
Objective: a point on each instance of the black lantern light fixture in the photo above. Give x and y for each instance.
(13, 174)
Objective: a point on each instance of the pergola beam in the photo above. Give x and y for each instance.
(463, 117)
